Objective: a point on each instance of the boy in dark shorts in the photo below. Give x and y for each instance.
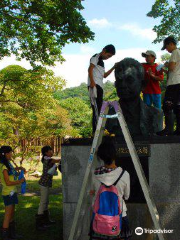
(96, 73)
(171, 102)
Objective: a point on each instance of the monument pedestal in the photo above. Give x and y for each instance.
(161, 164)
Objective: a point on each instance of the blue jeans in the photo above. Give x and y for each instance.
(152, 99)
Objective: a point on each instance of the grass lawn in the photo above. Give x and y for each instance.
(32, 184)
(27, 208)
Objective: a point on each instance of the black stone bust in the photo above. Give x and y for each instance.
(141, 119)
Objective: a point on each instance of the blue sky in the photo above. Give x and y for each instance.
(116, 21)
(122, 23)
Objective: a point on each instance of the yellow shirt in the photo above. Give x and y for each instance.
(6, 190)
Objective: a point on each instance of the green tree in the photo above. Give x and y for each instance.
(76, 101)
(82, 92)
(165, 57)
(38, 30)
(110, 92)
(18, 126)
(169, 12)
(30, 89)
(80, 115)
(28, 109)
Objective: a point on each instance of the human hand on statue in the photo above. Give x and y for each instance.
(115, 65)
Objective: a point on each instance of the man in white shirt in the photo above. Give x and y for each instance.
(172, 95)
(96, 73)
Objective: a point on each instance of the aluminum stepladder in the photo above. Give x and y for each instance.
(135, 158)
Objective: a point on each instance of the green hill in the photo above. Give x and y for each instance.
(82, 92)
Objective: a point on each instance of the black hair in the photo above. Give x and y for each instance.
(107, 150)
(171, 39)
(44, 150)
(168, 40)
(3, 159)
(110, 49)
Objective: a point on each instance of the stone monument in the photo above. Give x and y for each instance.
(141, 119)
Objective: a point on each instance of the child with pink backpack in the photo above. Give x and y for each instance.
(110, 186)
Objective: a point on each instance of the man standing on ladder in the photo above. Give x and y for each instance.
(96, 73)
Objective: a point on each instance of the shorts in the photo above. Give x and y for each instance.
(10, 200)
(152, 99)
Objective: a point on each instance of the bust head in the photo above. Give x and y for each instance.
(129, 75)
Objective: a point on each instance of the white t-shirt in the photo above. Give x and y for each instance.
(174, 76)
(98, 70)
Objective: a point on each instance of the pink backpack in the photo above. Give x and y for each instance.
(107, 217)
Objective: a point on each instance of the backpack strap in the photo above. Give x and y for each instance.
(119, 178)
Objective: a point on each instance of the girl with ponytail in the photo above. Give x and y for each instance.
(9, 181)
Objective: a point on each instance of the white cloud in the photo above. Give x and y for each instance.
(133, 28)
(87, 50)
(99, 23)
(6, 61)
(136, 30)
(74, 69)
